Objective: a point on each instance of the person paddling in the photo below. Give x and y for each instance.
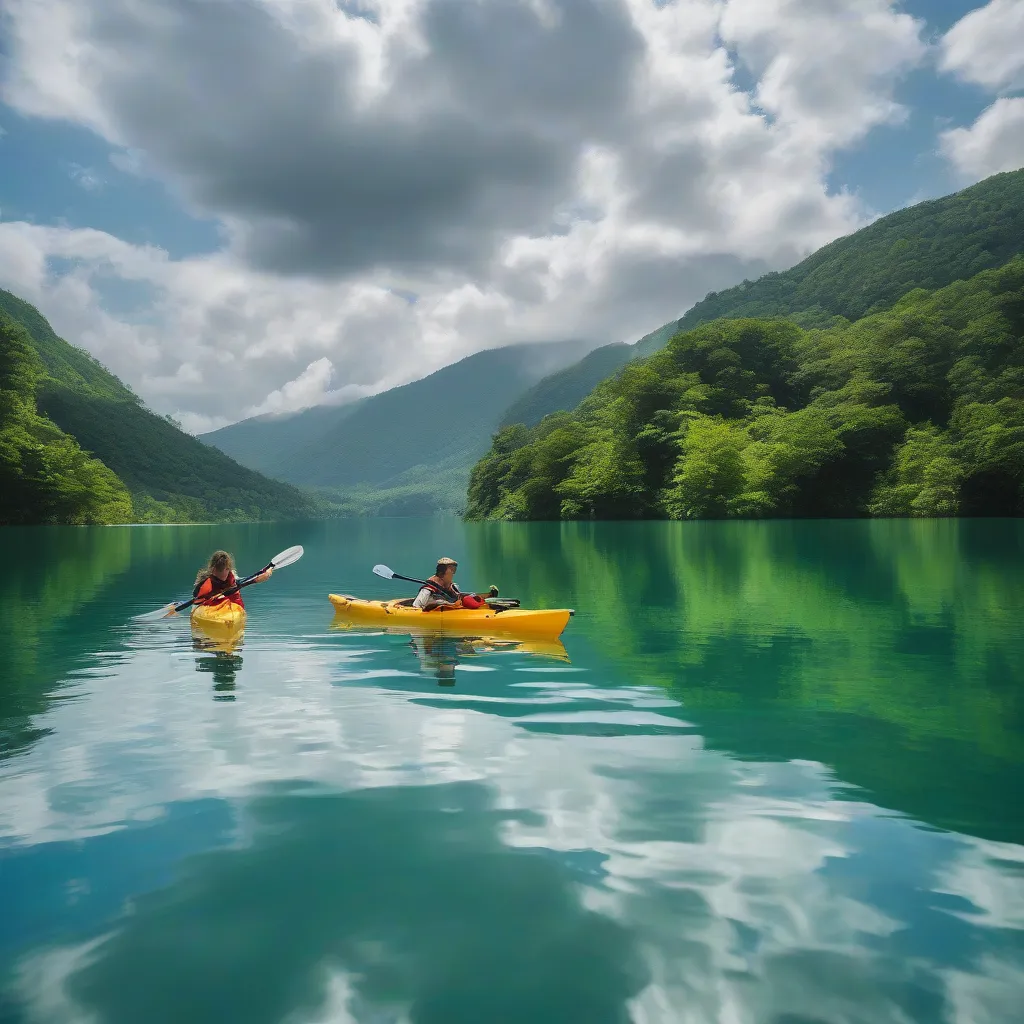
(441, 592)
(217, 576)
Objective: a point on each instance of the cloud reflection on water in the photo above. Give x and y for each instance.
(441, 860)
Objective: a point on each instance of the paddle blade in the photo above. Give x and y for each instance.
(288, 556)
(160, 613)
(383, 570)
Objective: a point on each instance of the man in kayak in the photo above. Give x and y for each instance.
(217, 576)
(441, 592)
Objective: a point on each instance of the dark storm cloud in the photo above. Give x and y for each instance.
(476, 138)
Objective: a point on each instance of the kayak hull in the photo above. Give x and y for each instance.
(224, 617)
(525, 622)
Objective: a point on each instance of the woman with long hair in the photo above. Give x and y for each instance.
(217, 576)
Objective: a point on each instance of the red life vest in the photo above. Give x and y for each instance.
(211, 587)
(468, 600)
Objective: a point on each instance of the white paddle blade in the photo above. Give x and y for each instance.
(383, 570)
(288, 556)
(160, 613)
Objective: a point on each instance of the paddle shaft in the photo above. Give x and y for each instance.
(248, 581)
(423, 583)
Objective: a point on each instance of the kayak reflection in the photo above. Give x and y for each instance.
(218, 647)
(440, 653)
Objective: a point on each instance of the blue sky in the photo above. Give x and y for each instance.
(513, 207)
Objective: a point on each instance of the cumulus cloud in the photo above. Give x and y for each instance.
(529, 171)
(825, 69)
(985, 46)
(994, 143)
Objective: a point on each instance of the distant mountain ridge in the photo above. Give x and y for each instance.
(172, 476)
(928, 245)
(411, 446)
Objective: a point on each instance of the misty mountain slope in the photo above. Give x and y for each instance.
(566, 388)
(445, 419)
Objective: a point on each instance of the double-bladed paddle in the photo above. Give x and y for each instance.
(388, 574)
(287, 557)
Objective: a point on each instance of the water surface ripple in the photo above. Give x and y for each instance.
(773, 776)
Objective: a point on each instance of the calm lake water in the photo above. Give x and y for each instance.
(775, 777)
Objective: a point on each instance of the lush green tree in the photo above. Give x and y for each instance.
(924, 480)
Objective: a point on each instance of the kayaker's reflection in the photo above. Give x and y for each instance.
(223, 664)
(440, 653)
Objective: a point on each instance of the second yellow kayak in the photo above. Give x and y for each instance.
(543, 622)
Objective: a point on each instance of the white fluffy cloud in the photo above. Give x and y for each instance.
(825, 68)
(526, 171)
(995, 142)
(986, 46)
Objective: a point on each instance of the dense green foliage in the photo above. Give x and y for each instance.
(406, 451)
(926, 246)
(172, 476)
(45, 477)
(64, 364)
(918, 411)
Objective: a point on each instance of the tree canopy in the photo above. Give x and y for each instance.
(45, 476)
(914, 411)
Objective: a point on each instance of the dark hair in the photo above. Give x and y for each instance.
(441, 566)
(219, 561)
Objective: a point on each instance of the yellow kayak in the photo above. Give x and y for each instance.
(222, 617)
(544, 622)
(544, 646)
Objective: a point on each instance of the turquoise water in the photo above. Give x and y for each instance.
(774, 775)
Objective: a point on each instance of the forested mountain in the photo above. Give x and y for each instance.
(925, 246)
(928, 246)
(45, 477)
(405, 451)
(172, 476)
(917, 410)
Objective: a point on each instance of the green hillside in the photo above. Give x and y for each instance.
(45, 477)
(267, 443)
(925, 246)
(914, 411)
(928, 245)
(172, 476)
(405, 451)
